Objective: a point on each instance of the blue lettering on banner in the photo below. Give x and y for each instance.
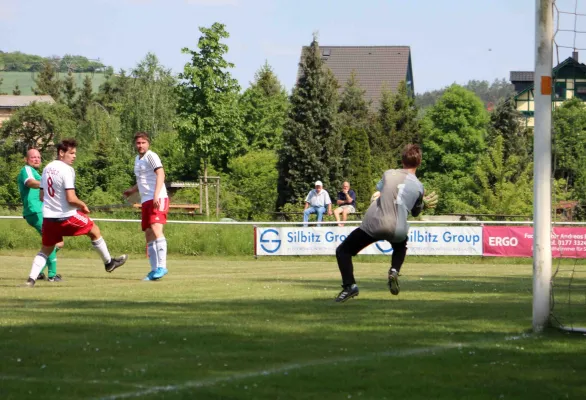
(271, 238)
(416, 236)
(449, 237)
(334, 237)
(302, 237)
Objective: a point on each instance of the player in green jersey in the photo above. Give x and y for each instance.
(32, 207)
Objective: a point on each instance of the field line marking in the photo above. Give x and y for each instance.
(285, 368)
(72, 381)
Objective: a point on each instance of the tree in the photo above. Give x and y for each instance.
(397, 126)
(16, 90)
(503, 184)
(505, 121)
(264, 110)
(85, 98)
(1, 80)
(113, 91)
(209, 119)
(38, 125)
(251, 190)
(312, 144)
(148, 99)
(47, 82)
(453, 132)
(354, 123)
(69, 90)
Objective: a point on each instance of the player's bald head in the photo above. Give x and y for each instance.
(33, 158)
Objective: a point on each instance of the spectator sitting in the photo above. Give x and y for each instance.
(316, 202)
(346, 203)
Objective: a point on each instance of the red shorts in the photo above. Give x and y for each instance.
(54, 229)
(150, 215)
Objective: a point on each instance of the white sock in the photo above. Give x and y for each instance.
(161, 244)
(38, 265)
(153, 256)
(102, 249)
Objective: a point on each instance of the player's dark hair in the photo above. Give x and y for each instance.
(142, 135)
(65, 145)
(411, 156)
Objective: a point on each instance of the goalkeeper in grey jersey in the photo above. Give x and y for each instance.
(399, 193)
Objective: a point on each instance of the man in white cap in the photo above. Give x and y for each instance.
(316, 202)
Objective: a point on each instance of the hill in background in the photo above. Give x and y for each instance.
(25, 80)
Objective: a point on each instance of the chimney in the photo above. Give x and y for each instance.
(575, 55)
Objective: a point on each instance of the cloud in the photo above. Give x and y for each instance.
(213, 2)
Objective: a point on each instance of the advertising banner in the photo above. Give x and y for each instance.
(313, 241)
(517, 241)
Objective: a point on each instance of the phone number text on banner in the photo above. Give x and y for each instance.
(464, 241)
(517, 241)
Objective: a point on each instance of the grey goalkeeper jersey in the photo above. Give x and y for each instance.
(400, 193)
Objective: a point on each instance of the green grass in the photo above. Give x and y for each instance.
(228, 328)
(26, 83)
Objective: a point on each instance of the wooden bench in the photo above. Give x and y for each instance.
(190, 208)
(298, 216)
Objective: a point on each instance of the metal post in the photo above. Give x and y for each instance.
(542, 164)
(200, 196)
(218, 197)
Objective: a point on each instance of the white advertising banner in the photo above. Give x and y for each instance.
(313, 241)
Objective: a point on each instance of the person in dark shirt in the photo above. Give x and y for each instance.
(346, 203)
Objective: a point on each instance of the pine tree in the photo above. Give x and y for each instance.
(1, 80)
(16, 90)
(354, 124)
(505, 121)
(264, 110)
(69, 90)
(312, 144)
(47, 82)
(84, 99)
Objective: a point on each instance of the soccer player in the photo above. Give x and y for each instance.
(61, 212)
(401, 193)
(150, 183)
(29, 182)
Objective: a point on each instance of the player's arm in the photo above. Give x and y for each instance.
(72, 199)
(41, 195)
(160, 174)
(32, 183)
(418, 207)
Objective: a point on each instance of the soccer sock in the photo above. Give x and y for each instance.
(399, 253)
(102, 249)
(52, 263)
(161, 244)
(153, 255)
(38, 264)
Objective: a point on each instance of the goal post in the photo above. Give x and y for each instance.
(542, 165)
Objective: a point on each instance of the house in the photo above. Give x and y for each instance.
(376, 67)
(569, 80)
(9, 104)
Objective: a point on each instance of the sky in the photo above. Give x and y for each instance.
(451, 40)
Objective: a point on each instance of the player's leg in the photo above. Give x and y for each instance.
(397, 260)
(356, 241)
(36, 221)
(100, 246)
(160, 244)
(345, 212)
(39, 263)
(337, 213)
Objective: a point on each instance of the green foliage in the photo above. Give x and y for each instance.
(85, 99)
(147, 98)
(312, 144)
(169, 147)
(209, 119)
(264, 108)
(354, 124)
(397, 126)
(489, 93)
(503, 184)
(505, 121)
(69, 90)
(38, 125)
(453, 134)
(47, 82)
(21, 62)
(16, 91)
(10, 165)
(251, 191)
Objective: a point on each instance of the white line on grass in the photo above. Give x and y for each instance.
(285, 368)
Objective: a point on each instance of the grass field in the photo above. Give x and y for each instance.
(228, 328)
(25, 81)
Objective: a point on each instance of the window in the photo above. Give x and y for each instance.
(580, 91)
(560, 90)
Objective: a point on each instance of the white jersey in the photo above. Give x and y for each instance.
(56, 179)
(146, 179)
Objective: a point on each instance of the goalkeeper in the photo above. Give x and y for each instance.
(399, 193)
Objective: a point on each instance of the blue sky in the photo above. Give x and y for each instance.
(451, 40)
